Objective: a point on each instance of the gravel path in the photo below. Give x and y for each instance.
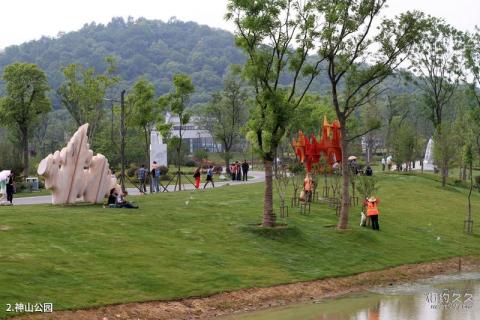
(258, 176)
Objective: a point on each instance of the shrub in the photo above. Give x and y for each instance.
(477, 182)
(131, 170)
(190, 163)
(367, 186)
(163, 170)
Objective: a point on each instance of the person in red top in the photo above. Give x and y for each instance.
(372, 211)
(196, 175)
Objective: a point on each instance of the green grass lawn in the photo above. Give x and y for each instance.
(202, 242)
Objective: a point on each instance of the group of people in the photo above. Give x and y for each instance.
(154, 173)
(116, 199)
(239, 171)
(197, 175)
(370, 204)
(387, 163)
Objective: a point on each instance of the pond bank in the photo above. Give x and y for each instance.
(261, 298)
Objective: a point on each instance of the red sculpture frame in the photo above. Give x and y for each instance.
(329, 147)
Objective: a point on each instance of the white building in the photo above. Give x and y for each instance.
(192, 135)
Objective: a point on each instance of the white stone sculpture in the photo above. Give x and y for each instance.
(74, 174)
(4, 175)
(158, 150)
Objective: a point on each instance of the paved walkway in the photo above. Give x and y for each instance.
(258, 176)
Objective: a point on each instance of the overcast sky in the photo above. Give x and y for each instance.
(24, 20)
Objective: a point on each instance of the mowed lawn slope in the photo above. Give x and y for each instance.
(198, 243)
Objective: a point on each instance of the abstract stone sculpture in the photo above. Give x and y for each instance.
(74, 174)
(158, 150)
(310, 151)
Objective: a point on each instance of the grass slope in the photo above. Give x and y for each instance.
(199, 243)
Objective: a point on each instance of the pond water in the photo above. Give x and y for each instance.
(453, 297)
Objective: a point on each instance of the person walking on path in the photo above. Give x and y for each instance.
(233, 171)
(154, 186)
(142, 177)
(209, 177)
(10, 187)
(371, 204)
(196, 176)
(239, 171)
(245, 168)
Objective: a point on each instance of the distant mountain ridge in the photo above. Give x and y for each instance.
(150, 48)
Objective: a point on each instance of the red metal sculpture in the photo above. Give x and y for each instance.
(310, 151)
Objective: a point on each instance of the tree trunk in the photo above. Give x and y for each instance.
(123, 134)
(343, 220)
(444, 172)
(227, 165)
(26, 164)
(268, 216)
(147, 147)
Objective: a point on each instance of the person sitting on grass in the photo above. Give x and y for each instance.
(112, 199)
(122, 203)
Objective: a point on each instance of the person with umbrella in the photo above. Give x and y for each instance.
(352, 162)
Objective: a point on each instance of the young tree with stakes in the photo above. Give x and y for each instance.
(177, 102)
(144, 110)
(358, 60)
(437, 60)
(225, 115)
(83, 93)
(277, 37)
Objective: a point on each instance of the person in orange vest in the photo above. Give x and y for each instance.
(308, 187)
(371, 204)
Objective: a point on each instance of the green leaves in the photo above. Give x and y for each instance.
(83, 93)
(25, 99)
(177, 101)
(144, 107)
(277, 37)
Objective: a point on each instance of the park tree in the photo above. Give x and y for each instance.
(360, 50)
(277, 37)
(468, 158)
(24, 103)
(225, 115)
(177, 103)
(83, 93)
(144, 110)
(395, 111)
(437, 62)
(472, 54)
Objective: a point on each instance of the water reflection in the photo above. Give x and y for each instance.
(440, 298)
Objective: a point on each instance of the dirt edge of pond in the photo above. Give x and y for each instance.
(260, 298)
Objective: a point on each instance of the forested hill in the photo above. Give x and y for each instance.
(151, 48)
